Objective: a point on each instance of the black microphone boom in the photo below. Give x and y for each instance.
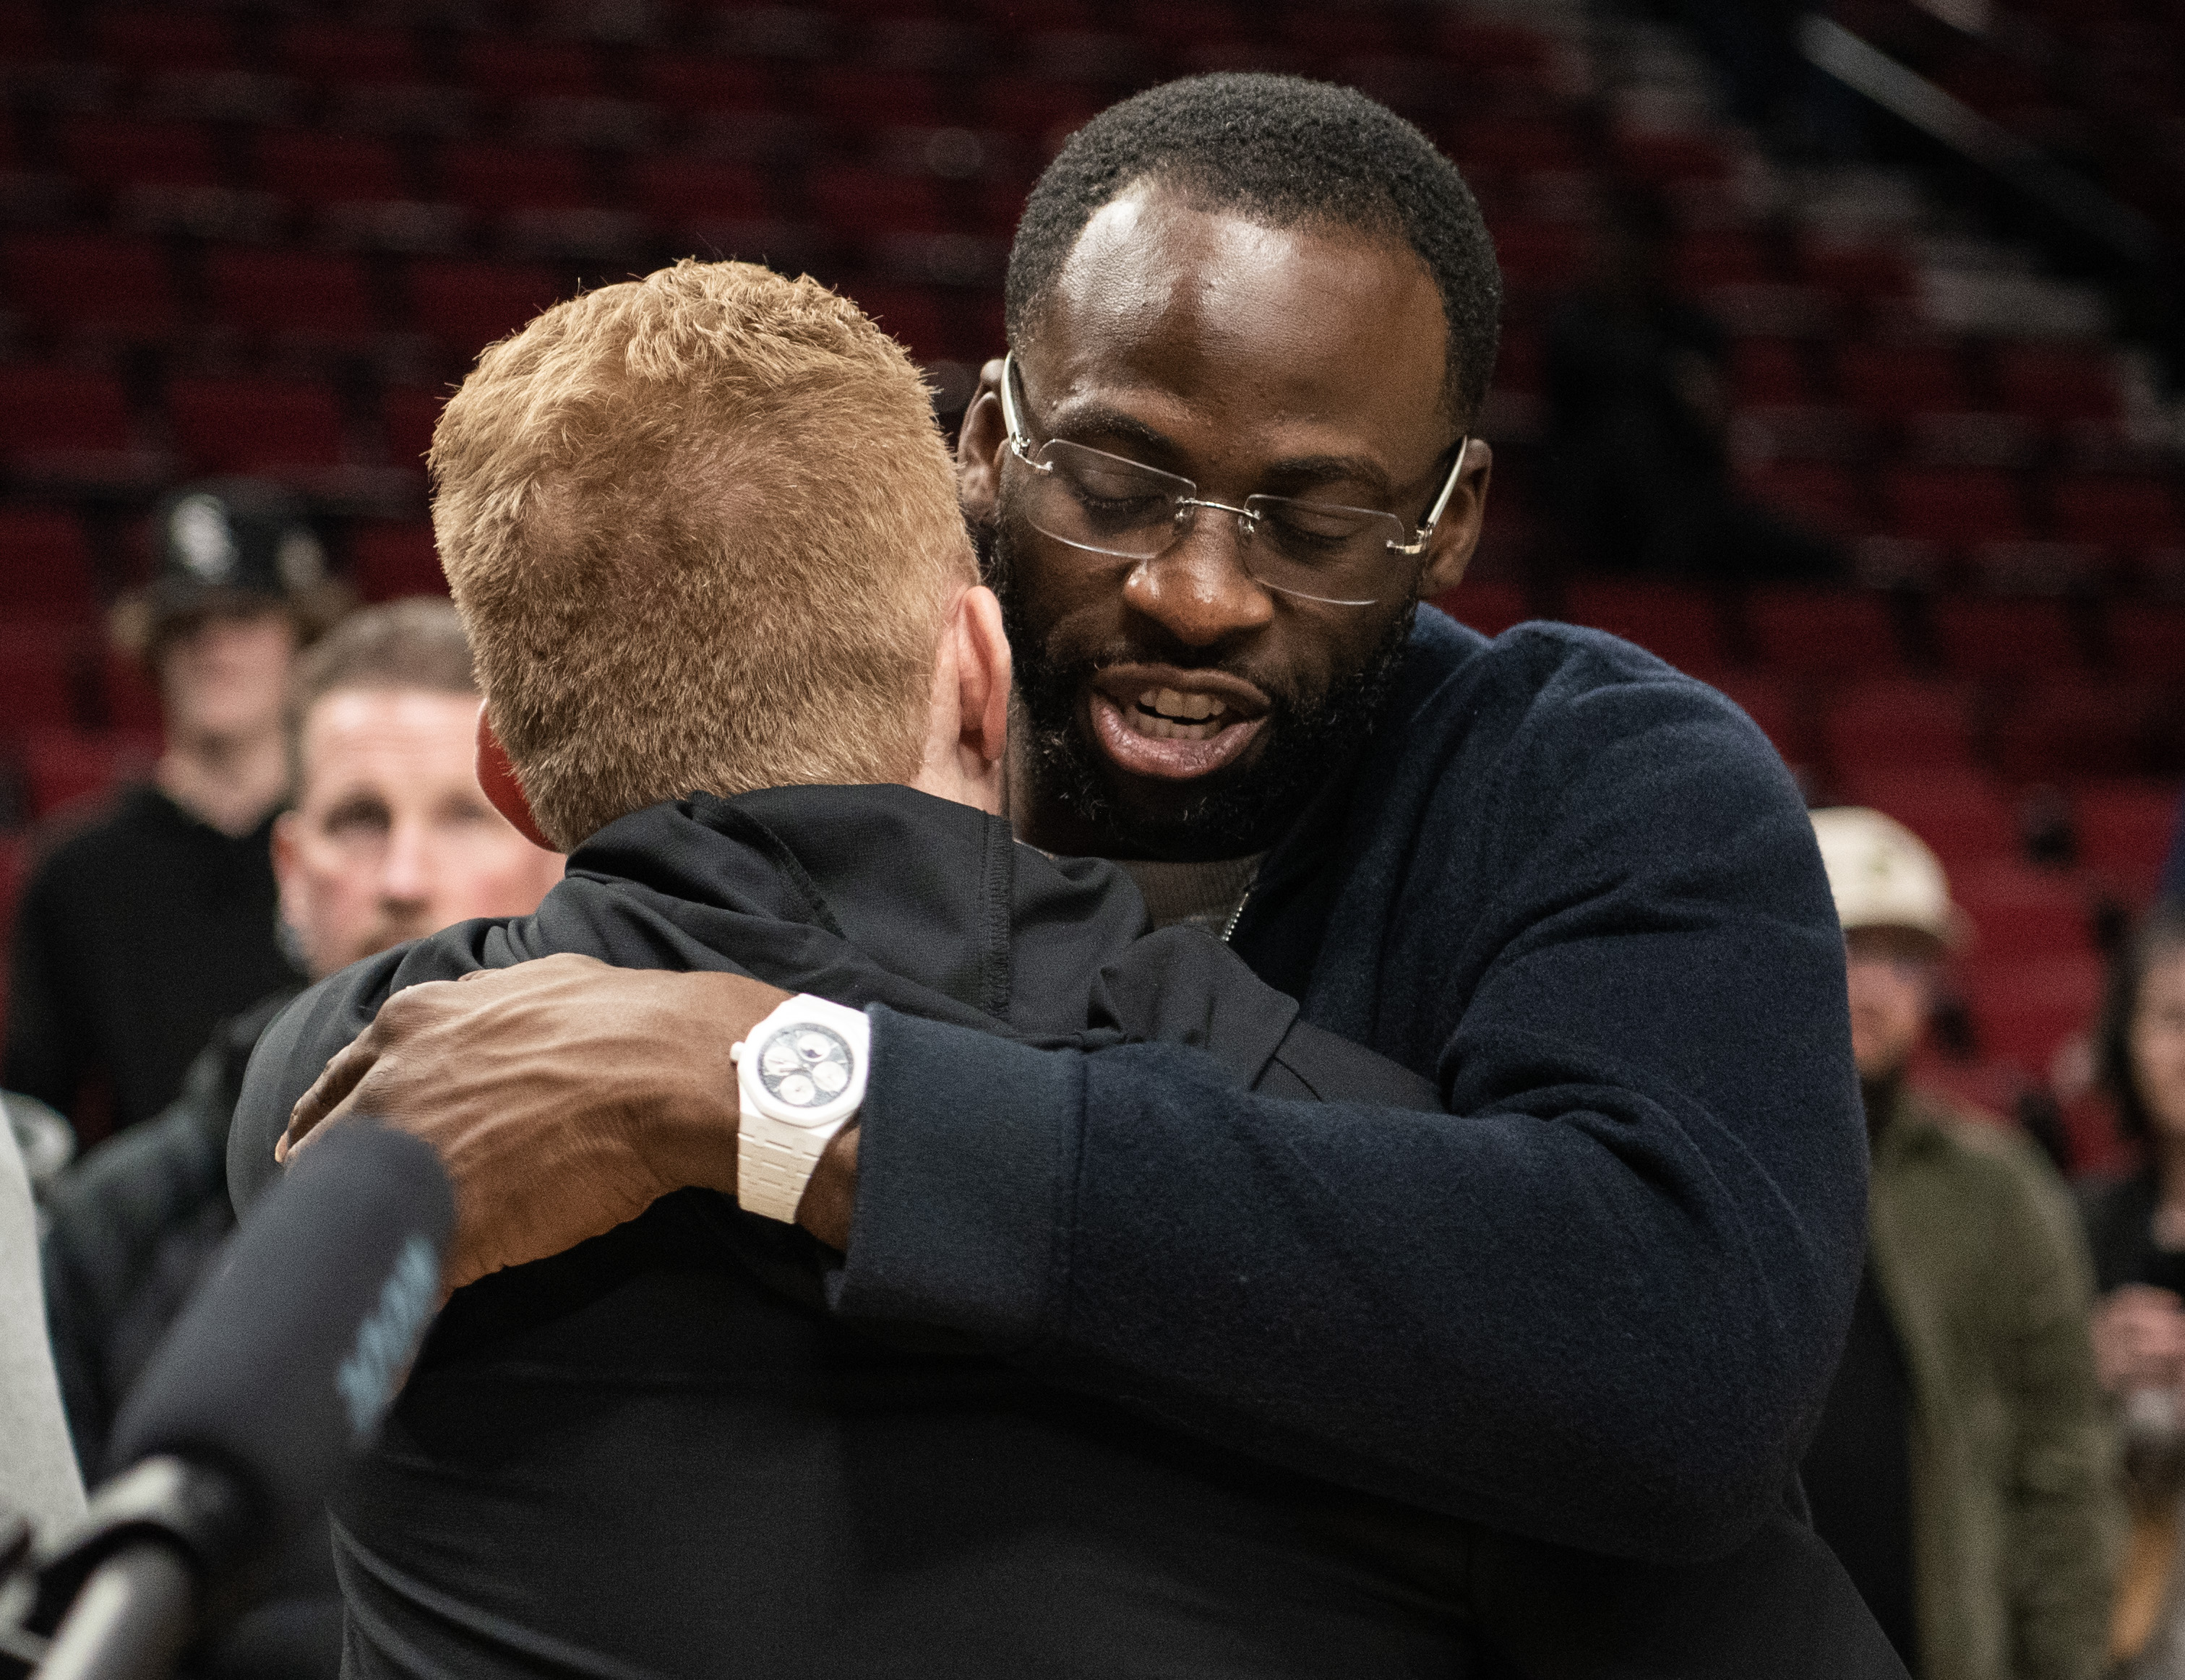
(281, 1365)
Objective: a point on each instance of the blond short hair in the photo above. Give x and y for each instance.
(702, 529)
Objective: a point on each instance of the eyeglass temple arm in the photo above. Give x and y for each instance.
(1425, 533)
(1018, 441)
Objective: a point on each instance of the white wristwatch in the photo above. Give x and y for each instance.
(801, 1076)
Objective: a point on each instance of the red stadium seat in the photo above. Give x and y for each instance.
(1184, 23)
(2019, 912)
(1817, 493)
(390, 560)
(856, 199)
(1770, 703)
(917, 319)
(466, 305)
(1540, 254)
(410, 412)
(1335, 32)
(1958, 812)
(1680, 625)
(41, 672)
(1984, 637)
(349, 54)
(150, 40)
(1954, 505)
(302, 294)
(63, 767)
(2025, 1012)
(255, 425)
(1488, 607)
(2147, 641)
(44, 565)
(108, 153)
(857, 96)
(1479, 45)
(675, 190)
(1769, 370)
(2125, 829)
(697, 81)
(2117, 511)
(1866, 273)
(2056, 384)
(506, 69)
(493, 177)
(2037, 568)
(317, 170)
(1825, 632)
(90, 280)
(48, 409)
(1672, 157)
(1896, 379)
(2081, 727)
(1519, 145)
(1892, 724)
(1038, 108)
(1720, 257)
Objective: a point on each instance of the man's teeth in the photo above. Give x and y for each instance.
(1171, 703)
(1169, 714)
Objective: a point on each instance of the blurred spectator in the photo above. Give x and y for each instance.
(391, 838)
(1961, 1470)
(38, 1475)
(138, 933)
(2137, 1230)
(1638, 416)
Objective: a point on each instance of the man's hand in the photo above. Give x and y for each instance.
(563, 1096)
(2139, 1339)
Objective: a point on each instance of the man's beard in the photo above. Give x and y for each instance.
(1237, 811)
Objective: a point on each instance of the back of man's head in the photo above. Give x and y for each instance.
(703, 531)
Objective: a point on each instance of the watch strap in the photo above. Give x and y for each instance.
(774, 1164)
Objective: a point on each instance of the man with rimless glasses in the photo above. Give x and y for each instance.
(1556, 1350)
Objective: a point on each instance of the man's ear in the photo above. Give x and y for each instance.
(286, 876)
(984, 673)
(497, 776)
(979, 446)
(1457, 537)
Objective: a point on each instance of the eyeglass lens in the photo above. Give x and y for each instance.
(1108, 504)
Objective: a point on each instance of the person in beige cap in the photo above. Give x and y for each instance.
(1961, 1468)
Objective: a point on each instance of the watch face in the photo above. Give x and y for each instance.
(805, 1066)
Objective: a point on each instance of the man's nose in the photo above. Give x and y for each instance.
(1199, 590)
(406, 873)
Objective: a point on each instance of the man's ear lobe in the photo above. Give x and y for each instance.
(497, 776)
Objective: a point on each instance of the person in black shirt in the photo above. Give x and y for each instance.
(140, 933)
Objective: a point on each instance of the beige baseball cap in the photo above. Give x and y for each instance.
(1883, 875)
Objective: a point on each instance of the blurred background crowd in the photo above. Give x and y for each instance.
(1842, 367)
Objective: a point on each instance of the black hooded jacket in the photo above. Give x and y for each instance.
(645, 1456)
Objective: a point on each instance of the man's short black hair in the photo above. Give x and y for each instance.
(1286, 151)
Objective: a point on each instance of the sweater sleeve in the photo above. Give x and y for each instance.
(2060, 1493)
(1596, 1303)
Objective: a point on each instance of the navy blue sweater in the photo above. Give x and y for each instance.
(1598, 1304)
